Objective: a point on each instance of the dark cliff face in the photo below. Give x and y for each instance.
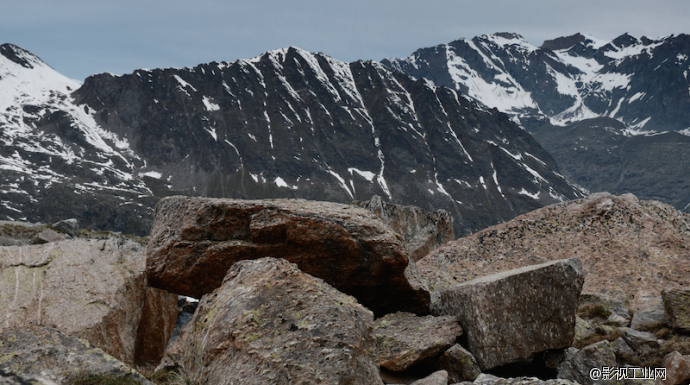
(641, 82)
(294, 124)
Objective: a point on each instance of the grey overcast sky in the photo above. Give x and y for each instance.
(83, 37)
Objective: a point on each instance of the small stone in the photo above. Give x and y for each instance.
(403, 339)
(649, 312)
(677, 308)
(577, 367)
(460, 364)
(677, 369)
(47, 236)
(636, 339)
(68, 226)
(621, 347)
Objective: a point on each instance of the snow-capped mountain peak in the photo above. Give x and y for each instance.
(566, 79)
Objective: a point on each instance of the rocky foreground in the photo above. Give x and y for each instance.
(303, 292)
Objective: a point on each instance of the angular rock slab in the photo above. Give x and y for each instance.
(511, 315)
(47, 352)
(403, 339)
(270, 323)
(677, 308)
(92, 289)
(194, 241)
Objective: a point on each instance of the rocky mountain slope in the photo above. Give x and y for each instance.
(635, 88)
(56, 162)
(286, 124)
(627, 246)
(598, 154)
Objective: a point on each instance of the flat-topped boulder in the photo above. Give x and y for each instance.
(195, 241)
(509, 316)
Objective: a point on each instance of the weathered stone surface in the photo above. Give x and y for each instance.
(648, 312)
(271, 323)
(423, 231)
(626, 245)
(47, 352)
(68, 226)
(511, 315)
(677, 308)
(88, 288)
(194, 241)
(437, 378)
(460, 364)
(577, 367)
(677, 369)
(403, 339)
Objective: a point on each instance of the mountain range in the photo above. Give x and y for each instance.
(287, 123)
(614, 114)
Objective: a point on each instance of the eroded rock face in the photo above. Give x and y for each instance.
(423, 231)
(511, 315)
(625, 245)
(47, 352)
(88, 288)
(194, 241)
(403, 339)
(677, 308)
(271, 323)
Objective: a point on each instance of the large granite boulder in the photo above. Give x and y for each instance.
(677, 308)
(403, 339)
(94, 289)
(509, 316)
(423, 231)
(42, 352)
(270, 323)
(194, 241)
